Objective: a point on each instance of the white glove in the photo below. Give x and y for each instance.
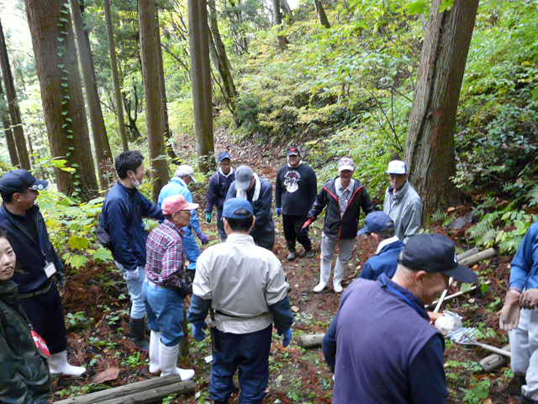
(132, 275)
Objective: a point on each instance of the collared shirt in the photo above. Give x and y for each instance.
(165, 258)
(242, 280)
(385, 242)
(343, 194)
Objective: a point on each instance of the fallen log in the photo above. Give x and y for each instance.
(454, 295)
(146, 391)
(468, 253)
(494, 361)
(311, 340)
(473, 259)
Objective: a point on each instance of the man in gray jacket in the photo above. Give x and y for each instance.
(402, 202)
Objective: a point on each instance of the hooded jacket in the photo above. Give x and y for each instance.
(345, 226)
(32, 254)
(24, 374)
(406, 211)
(218, 188)
(122, 215)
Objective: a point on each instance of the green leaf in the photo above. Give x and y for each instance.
(102, 254)
(417, 7)
(78, 243)
(77, 261)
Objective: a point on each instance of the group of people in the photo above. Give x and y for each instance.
(380, 346)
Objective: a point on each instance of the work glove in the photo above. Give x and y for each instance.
(529, 299)
(278, 211)
(203, 238)
(208, 217)
(132, 275)
(307, 224)
(198, 330)
(288, 334)
(510, 312)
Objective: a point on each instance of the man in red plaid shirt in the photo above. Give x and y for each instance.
(167, 283)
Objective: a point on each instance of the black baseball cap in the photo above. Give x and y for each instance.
(435, 253)
(293, 151)
(20, 181)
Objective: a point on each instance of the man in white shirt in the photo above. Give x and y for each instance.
(245, 286)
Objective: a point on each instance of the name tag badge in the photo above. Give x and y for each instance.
(50, 269)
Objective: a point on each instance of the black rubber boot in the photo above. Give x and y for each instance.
(136, 333)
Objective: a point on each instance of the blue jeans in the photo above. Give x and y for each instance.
(250, 354)
(191, 248)
(165, 312)
(134, 286)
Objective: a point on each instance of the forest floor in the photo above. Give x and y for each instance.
(97, 305)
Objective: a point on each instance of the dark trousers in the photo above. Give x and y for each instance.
(46, 314)
(220, 226)
(265, 240)
(292, 232)
(250, 354)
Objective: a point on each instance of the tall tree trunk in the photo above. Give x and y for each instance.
(115, 75)
(13, 105)
(61, 95)
(201, 82)
(323, 20)
(100, 138)
(150, 49)
(284, 5)
(6, 124)
(220, 58)
(430, 144)
(277, 18)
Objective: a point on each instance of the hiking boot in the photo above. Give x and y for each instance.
(291, 256)
(309, 254)
(136, 333)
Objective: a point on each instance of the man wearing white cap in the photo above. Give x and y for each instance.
(167, 283)
(179, 185)
(402, 202)
(259, 192)
(344, 198)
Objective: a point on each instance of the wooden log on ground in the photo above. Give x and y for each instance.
(494, 361)
(311, 340)
(146, 391)
(468, 253)
(473, 259)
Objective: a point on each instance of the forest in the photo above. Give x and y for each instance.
(450, 86)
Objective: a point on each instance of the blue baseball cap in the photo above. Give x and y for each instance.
(376, 222)
(223, 155)
(20, 181)
(233, 205)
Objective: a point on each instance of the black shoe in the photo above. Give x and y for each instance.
(136, 333)
(310, 254)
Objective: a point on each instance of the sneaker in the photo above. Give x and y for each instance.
(338, 287)
(319, 287)
(309, 254)
(291, 256)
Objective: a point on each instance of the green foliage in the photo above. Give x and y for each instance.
(478, 392)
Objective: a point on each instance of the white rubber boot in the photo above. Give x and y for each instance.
(168, 362)
(324, 274)
(339, 271)
(58, 366)
(154, 349)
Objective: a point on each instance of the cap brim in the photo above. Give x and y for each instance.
(242, 186)
(350, 168)
(462, 274)
(40, 185)
(192, 178)
(363, 231)
(293, 154)
(191, 206)
(394, 172)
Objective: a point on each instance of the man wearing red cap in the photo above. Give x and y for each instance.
(167, 283)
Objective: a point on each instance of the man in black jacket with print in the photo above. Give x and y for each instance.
(295, 192)
(344, 198)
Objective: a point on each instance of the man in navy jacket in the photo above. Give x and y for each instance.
(122, 215)
(381, 227)
(38, 266)
(405, 365)
(218, 188)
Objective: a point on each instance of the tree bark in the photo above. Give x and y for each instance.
(150, 49)
(430, 144)
(284, 5)
(61, 95)
(220, 59)
(6, 124)
(115, 75)
(13, 105)
(277, 17)
(100, 138)
(323, 20)
(201, 82)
